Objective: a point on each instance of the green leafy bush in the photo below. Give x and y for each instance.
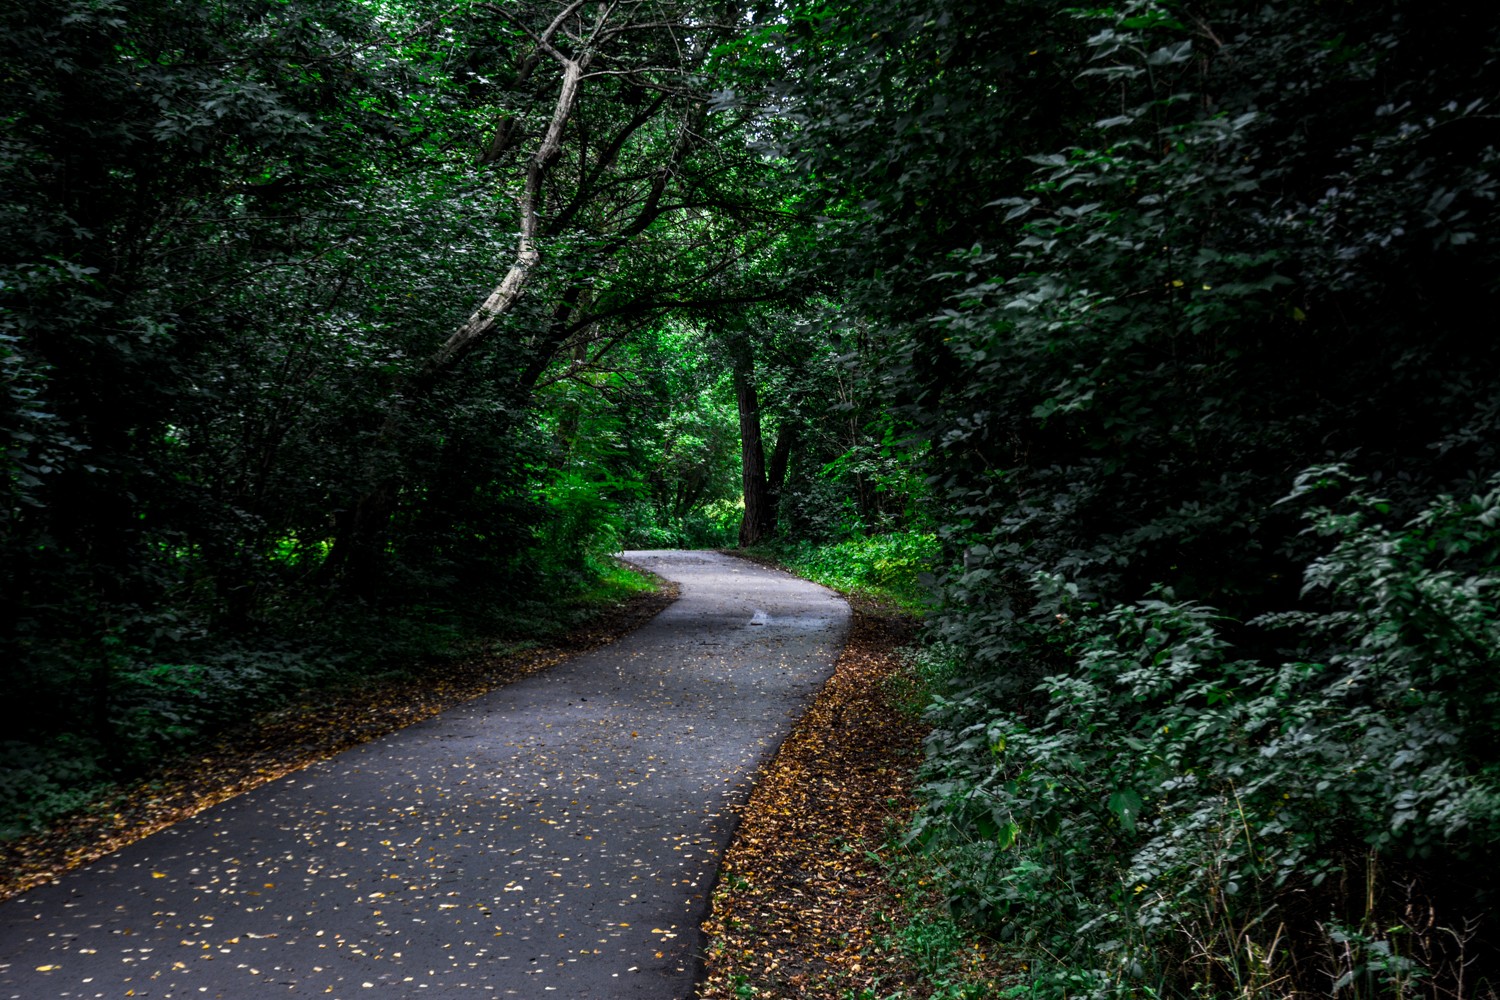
(647, 525)
(582, 519)
(38, 783)
(1166, 813)
(1132, 266)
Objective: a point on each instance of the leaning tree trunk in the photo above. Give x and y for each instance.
(359, 546)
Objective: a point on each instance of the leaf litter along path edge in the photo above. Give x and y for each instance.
(316, 726)
(816, 900)
(559, 834)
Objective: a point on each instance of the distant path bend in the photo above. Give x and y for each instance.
(558, 835)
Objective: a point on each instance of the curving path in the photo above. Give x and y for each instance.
(557, 836)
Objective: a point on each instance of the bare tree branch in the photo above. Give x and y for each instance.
(544, 40)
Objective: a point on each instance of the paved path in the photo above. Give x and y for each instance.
(556, 837)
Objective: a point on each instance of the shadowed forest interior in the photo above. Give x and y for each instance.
(1145, 350)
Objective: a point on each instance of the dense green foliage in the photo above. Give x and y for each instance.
(1166, 794)
(1135, 268)
(891, 567)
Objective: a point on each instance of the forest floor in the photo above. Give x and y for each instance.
(313, 728)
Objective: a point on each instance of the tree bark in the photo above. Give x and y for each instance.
(759, 522)
(652, 207)
(786, 440)
(503, 298)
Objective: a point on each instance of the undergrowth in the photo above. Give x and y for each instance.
(158, 710)
(894, 568)
(953, 961)
(1172, 812)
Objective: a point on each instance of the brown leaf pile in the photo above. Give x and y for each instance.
(801, 907)
(313, 729)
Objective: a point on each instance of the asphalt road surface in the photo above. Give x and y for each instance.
(557, 836)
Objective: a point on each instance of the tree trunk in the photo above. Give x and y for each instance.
(786, 440)
(759, 522)
(503, 298)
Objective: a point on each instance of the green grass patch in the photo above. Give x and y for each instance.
(890, 569)
(615, 582)
(955, 962)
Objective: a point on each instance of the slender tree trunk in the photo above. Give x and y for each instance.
(760, 516)
(503, 298)
(786, 440)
